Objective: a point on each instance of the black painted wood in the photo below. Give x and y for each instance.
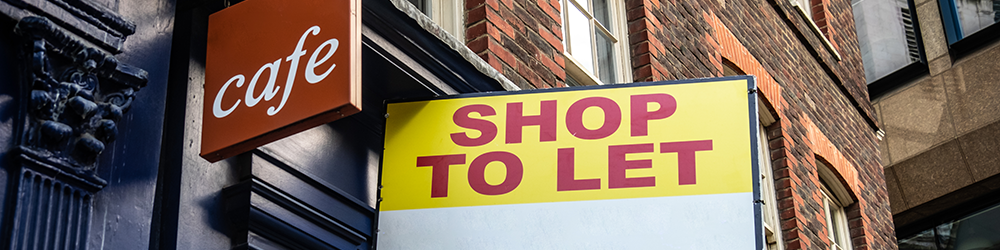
(314, 190)
(312, 214)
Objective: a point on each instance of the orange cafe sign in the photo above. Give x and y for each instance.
(636, 166)
(274, 68)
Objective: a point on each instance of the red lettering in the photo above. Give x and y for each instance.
(565, 176)
(439, 171)
(487, 129)
(612, 118)
(477, 173)
(546, 121)
(641, 114)
(685, 157)
(617, 164)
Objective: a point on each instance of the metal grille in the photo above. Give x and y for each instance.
(911, 35)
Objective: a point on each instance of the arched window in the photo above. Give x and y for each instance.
(835, 198)
(769, 209)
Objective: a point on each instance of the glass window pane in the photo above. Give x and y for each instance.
(585, 4)
(978, 231)
(836, 226)
(421, 5)
(579, 38)
(605, 59)
(977, 14)
(922, 241)
(601, 13)
(886, 36)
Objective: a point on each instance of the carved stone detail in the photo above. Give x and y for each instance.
(78, 95)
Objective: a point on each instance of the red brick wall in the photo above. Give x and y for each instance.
(668, 41)
(820, 101)
(520, 39)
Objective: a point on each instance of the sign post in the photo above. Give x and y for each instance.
(668, 165)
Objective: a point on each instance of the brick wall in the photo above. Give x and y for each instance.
(520, 39)
(820, 100)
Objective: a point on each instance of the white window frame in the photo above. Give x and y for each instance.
(805, 6)
(450, 15)
(447, 14)
(619, 32)
(806, 13)
(769, 210)
(771, 221)
(835, 198)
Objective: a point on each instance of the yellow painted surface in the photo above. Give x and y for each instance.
(716, 111)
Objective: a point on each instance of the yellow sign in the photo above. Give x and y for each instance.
(603, 143)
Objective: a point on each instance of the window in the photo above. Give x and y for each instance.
(769, 206)
(422, 5)
(965, 17)
(836, 222)
(975, 231)
(888, 42)
(805, 6)
(449, 14)
(593, 32)
(769, 210)
(817, 15)
(835, 198)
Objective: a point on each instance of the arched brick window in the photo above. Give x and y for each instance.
(835, 198)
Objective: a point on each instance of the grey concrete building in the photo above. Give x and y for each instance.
(936, 91)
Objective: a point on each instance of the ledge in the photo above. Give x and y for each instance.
(454, 43)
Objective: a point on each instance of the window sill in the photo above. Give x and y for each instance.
(817, 32)
(974, 42)
(896, 79)
(581, 75)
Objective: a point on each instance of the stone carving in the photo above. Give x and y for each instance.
(78, 95)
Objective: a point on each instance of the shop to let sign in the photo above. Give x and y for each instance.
(666, 165)
(274, 68)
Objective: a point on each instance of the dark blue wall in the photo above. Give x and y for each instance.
(123, 210)
(9, 76)
(121, 216)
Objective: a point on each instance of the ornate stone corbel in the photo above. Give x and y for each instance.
(74, 96)
(78, 95)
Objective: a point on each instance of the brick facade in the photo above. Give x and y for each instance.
(520, 39)
(818, 96)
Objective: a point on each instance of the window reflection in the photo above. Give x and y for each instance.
(605, 58)
(979, 231)
(887, 36)
(579, 37)
(976, 14)
(592, 40)
(965, 17)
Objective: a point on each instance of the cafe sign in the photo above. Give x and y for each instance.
(274, 68)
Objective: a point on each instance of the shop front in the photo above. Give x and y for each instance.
(104, 107)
